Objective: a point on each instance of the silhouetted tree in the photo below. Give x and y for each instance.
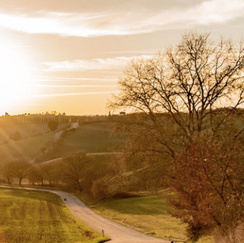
(7, 172)
(50, 172)
(73, 169)
(53, 125)
(19, 169)
(35, 175)
(188, 83)
(178, 97)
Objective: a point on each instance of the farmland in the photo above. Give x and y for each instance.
(90, 138)
(40, 217)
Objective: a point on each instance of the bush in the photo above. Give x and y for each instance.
(52, 125)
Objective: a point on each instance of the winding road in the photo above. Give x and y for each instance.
(117, 233)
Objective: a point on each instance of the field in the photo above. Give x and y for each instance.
(146, 214)
(27, 217)
(32, 138)
(90, 138)
(25, 130)
(27, 148)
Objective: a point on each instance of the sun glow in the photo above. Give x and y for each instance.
(16, 77)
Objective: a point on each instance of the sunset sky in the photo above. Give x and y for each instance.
(67, 55)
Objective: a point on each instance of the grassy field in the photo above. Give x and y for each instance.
(25, 130)
(27, 217)
(146, 214)
(27, 148)
(90, 138)
(32, 138)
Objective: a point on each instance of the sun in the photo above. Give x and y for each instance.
(16, 77)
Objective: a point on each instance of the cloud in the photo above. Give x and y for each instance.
(63, 80)
(94, 64)
(71, 94)
(74, 86)
(122, 22)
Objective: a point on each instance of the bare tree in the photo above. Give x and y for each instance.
(35, 175)
(50, 172)
(7, 172)
(177, 98)
(19, 169)
(189, 83)
(73, 169)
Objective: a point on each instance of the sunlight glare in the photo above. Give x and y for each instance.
(15, 76)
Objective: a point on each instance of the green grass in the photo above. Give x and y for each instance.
(147, 215)
(91, 138)
(27, 217)
(26, 147)
(33, 138)
(25, 130)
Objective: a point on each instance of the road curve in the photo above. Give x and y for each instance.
(117, 233)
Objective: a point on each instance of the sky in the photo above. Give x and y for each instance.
(67, 55)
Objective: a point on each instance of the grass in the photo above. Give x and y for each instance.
(91, 138)
(28, 217)
(148, 215)
(25, 130)
(26, 147)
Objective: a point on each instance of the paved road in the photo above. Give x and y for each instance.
(117, 233)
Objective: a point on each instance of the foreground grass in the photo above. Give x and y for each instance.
(29, 217)
(147, 215)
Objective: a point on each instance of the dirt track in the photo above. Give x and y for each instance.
(117, 233)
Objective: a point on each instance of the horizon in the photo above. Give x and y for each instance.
(68, 57)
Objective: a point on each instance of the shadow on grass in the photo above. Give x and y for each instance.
(34, 195)
(149, 205)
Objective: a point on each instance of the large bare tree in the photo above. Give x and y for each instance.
(178, 99)
(188, 84)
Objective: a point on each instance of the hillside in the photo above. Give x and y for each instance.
(90, 138)
(30, 139)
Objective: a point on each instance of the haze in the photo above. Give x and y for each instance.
(67, 55)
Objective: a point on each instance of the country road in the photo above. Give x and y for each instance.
(117, 233)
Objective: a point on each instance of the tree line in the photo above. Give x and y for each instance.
(74, 171)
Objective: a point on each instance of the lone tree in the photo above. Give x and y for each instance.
(184, 96)
(189, 83)
(52, 125)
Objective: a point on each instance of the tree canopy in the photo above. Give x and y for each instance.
(185, 102)
(189, 82)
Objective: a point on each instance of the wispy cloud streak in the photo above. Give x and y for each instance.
(64, 94)
(73, 86)
(94, 64)
(62, 79)
(124, 23)
(72, 94)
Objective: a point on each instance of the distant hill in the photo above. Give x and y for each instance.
(32, 137)
(97, 137)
